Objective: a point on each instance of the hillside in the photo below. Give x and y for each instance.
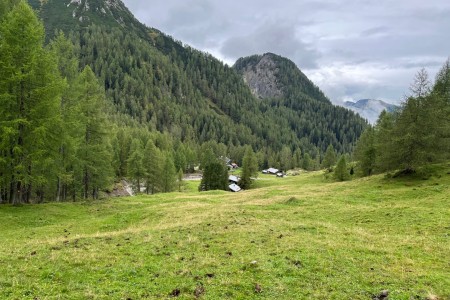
(370, 109)
(156, 80)
(278, 82)
(298, 237)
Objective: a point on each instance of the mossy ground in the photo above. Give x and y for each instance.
(292, 238)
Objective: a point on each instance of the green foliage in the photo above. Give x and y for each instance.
(329, 159)
(136, 167)
(341, 173)
(168, 175)
(413, 137)
(94, 154)
(307, 163)
(215, 176)
(191, 95)
(180, 180)
(249, 169)
(30, 87)
(365, 152)
(153, 167)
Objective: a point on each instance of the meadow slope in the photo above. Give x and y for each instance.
(294, 238)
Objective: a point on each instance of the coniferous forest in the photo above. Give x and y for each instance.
(83, 106)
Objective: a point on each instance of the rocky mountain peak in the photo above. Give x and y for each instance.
(260, 74)
(83, 8)
(370, 109)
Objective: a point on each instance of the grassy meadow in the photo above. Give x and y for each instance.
(300, 237)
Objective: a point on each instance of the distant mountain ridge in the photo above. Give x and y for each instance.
(370, 109)
(152, 80)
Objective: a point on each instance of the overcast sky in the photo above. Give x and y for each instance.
(351, 49)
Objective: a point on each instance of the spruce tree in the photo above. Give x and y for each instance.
(136, 167)
(153, 168)
(215, 177)
(249, 168)
(341, 173)
(365, 153)
(169, 175)
(329, 159)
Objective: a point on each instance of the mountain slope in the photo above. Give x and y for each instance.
(370, 109)
(156, 81)
(280, 83)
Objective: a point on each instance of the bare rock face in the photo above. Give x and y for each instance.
(82, 8)
(262, 79)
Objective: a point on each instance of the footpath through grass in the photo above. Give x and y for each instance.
(292, 238)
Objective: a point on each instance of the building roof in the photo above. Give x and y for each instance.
(233, 178)
(273, 171)
(235, 188)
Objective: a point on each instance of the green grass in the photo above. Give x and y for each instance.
(297, 238)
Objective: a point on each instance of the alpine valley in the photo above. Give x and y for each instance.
(155, 81)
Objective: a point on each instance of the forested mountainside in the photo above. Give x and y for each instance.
(279, 83)
(155, 79)
(153, 94)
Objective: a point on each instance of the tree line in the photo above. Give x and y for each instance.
(416, 135)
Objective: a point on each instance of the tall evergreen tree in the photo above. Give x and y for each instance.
(30, 89)
(136, 167)
(249, 168)
(95, 155)
(70, 110)
(153, 167)
(365, 153)
(341, 173)
(215, 176)
(169, 175)
(329, 159)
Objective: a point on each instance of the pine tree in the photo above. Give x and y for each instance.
(215, 177)
(153, 167)
(329, 159)
(30, 89)
(365, 153)
(385, 148)
(307, 162)
(136, 167)
(70, 110)
(180, 180)
(169, 175)
(249, 168)
(94, 168)
(341, 173)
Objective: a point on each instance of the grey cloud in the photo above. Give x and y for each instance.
(375, 31)
(276, 37)
(395, 37)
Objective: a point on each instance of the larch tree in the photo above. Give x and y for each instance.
(341, 173)
(95, 169)
(30, 91)
(365, 153)
(153, 168)
(329, 159)
(70, 111)
(168, 175)
(136, 167)
(249, 168)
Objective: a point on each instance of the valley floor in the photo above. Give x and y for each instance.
(291, 238)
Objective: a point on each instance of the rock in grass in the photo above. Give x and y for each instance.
(383, 295)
